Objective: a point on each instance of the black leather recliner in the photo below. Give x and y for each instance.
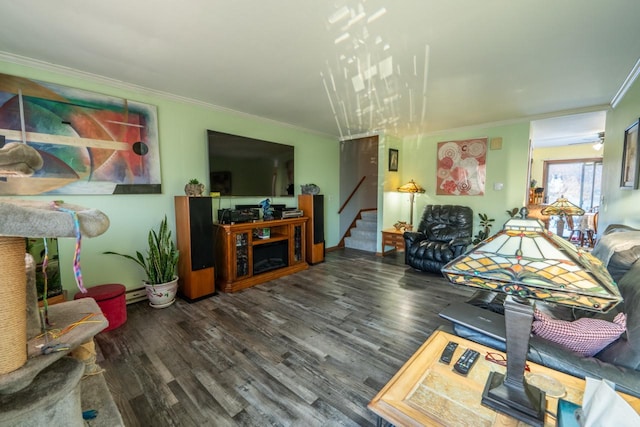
(444, 233)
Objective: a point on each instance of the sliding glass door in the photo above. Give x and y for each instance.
(579, 180)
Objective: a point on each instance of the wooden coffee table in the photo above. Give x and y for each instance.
(427, 392)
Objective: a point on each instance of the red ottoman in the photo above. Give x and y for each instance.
(111, 300)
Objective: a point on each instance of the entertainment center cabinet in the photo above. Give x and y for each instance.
(247, 255)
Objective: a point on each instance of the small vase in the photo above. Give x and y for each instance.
(194, 190)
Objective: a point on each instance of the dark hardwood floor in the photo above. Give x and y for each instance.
(310, 349)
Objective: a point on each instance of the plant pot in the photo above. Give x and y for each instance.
(161, 295)
(194, 190)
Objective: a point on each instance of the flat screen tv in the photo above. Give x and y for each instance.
(248, 167)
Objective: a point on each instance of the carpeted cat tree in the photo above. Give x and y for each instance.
(39, 385)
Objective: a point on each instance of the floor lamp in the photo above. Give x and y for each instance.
(527, 262)
(412, 188)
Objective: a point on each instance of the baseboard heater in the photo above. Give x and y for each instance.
(135, 295)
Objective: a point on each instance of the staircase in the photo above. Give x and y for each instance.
(364, 235)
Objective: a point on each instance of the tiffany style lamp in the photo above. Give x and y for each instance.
(527, 262)
(562, 207)
(412, 188)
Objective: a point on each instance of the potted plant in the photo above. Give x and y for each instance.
(485, 224)
(194, 188)
(160, 265)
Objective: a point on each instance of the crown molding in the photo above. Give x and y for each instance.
(527, 119)
(375, 132)
(628, 82)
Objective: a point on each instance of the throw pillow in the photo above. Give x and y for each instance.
(585, 336)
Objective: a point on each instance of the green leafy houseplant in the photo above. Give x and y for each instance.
(513, 212)
(161, 262)
(485, 223)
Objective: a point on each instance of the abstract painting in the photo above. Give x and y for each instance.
(461, 168)
(60, 140)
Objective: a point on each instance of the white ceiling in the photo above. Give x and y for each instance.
(566, 130)
(345, 67)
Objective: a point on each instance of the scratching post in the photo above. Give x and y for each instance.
(13, 299)
(34, 325)
(86, 353)
(38, 384)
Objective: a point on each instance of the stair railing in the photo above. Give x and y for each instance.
(344, 205)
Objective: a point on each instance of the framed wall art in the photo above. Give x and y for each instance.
(57, 139)
(461, 168)
(629, 176)
(393, 160)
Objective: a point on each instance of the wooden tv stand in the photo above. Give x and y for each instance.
(243, 259)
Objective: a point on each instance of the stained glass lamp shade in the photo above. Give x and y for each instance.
(525, 261)
(561, 208)
(412, 188)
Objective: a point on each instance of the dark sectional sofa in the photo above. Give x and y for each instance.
(620, 361)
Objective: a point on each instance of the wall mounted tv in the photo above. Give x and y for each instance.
(247, 167)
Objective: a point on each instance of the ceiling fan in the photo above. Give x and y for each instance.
(600, 142)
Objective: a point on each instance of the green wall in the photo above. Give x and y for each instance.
(619, 206)
(183, 125)
(183, 151)
(507, 165)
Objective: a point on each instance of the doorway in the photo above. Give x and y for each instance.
(358, 160)
(566, 160)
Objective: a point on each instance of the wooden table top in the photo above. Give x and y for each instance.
(427, 392)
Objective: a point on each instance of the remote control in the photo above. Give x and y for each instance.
(447, 353)
(466, 361)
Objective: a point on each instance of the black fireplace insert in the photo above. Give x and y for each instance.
(270, 256)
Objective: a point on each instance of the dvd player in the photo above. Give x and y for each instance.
(293, 213)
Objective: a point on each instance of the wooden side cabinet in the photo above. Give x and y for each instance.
(394, 238)
(251, 253)
(194, 234)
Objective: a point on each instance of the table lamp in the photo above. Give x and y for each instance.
(525, 261)
(561, 207)
(412, 188)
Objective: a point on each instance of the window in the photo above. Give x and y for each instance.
(579, 180)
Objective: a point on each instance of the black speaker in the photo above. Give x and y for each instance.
(318, 218)
(194, 234)
(312, 206)
(201, 232)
